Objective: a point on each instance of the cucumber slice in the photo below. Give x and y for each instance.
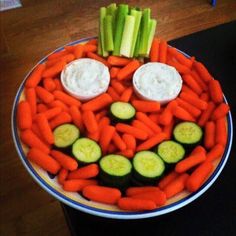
(170, 151)
(86, 150)
(188, 133)
(65, 135)
(148, 166)
(122, 111)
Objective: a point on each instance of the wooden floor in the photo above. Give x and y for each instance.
(31, 32)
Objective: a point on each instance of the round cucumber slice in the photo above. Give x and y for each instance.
(122, 111)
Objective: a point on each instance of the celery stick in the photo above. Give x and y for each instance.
(112, 10)
(122, 11)
(152, 29)
(101, 30)
(127, 37)
(144, 31)
(137, 45)
(109, 45)
(138, 16)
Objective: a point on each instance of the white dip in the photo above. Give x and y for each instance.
(157, 81)
(85, 78)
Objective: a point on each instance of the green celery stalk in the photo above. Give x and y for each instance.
(127, 37)
(152, 29)
(138, 16)
(109, 45)
(137, 45)
(122, 11)
(101, 31)
(144, 31)
(112, 10)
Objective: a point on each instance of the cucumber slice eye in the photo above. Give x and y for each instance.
(122, 111)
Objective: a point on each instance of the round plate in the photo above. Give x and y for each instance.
(75, 200)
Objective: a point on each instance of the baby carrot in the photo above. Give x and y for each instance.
(176, 186)
(62, 118)
(126, 95)
(115, 96)
(54, 69)
(188, 90)
(94, 136)
(199, 175)
(112, 148)
(62, 176)
(131, 191)
(66, 58)
(140, 125)
(50, 113)
(197, 102)
(209, 137)
(58, 84)
(215, 91)
(129, 153)
(205, 116)
(130, 141)
(167, 179)
(198, 149)
(32, 140)
(118, 61)
(119, 143)
(114, 71)
(119, 87)
(41, 107)
(195, 112)
(132, 204)
(221, 133)
(76, 117)
(31, 99)
(167, 129)
(97, 103)
(166, 116)
(202, 71)
(215, 152)
(151, 142)
(197, 78)
(76, 185)
(162, 51)
(98, 58)
(220, 111)
(67, 99)
(43, 160)
(57, 54)
(64, 160)
(44, 95)
(35, 77)
(24, 116)
(205, 97)
(137, 133)
(102, 194)
(58, 103)
(182, 114)
(78, 51)
(154, 52)
(100, 115)
(90, 121)
(92, 41)
(189, 162)
(38, 133)
(90, 48)
(146, 106)
(86, 172)
(154, 117)
(45, 128)
(126, 71)
(106, 136)
(49, 84)
(103, 122)
(179, 67)
(189, 80)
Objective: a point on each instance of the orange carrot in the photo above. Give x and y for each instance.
(189, 80)
(100, 115)
(58, 84)
(155, 117)
(86, 172)
(49, 84)
(126, 71)
(43, 160)
(66, 58)
(36, 76)
(215, 91)
(205, 97)
(31, 99)
(221, 133)
(182, 114)
(90, 48)
(78, 51)
(90, 121)
(197, 78)
(126, 95)
(103, 122)
(45, 128)
(151, 142)
(131, 191)
(132, 204)
(67, 99)
(140, 125)
(166, 116)
(64, 160)
(209, 137)
(189, 162)
(38, 133)
(62, 118)
(24, 117)
(130, 141)
(76, 117)
(97, 103)
(163, 51)
(167, 129)
(50, 113)
(32, 140)
(44, 95)
(146, 106)
(176, 186)
(62, 176)
(137, 133)
(57, 54)
(98, 58)
(202, 71)
(94, 136)
(147, 121)
(188, 90)
(154, 52)
(129, 153)
(168, 179)
(41, 107)
(220, 111)
(106, 136)
(112, 148)
(179, 67)
(199, 175)
(76, 185)
(69, 48)
(192, 110)
(197, 102)
(102, 194)
(118, 61)
(115, 96)
(92, 41)
(58, 103)
(205, 116)
(215, 153)
(119, 143)
(114, 71)
(198, 149)
(54, 69)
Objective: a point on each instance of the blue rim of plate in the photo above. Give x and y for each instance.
(108, 213)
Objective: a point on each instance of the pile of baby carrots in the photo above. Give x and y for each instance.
(47, 105)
